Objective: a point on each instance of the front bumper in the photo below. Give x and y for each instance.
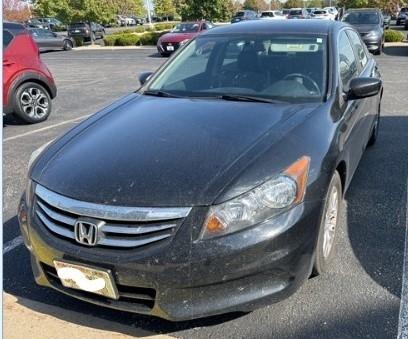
(188, 279)
(373, 44)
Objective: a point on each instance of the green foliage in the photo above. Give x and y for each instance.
(127, 40)
(393, 36)
(293, 4)
(206, 9)
(164, 26)
(164, 8)
(132, 39)
(255, 5)
(110, 40)
(314, 4)
(78, 41)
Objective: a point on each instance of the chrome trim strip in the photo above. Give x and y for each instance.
(135, 230)
(130, 243)
(56, 216)
(110, 212)
(54, 228)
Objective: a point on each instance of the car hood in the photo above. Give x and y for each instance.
(177, 37)
(162, 151)
(366, 28)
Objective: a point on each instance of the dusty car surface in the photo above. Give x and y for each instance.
(220, 186)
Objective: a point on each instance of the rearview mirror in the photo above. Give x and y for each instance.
(363, 88)
(143, 77)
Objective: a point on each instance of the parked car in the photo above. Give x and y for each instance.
(180, 35)
(125, 21)
(333, 12)
(53, 23)
(47, 40)
(322, 14)
(402, 16)
(85, 31)
(272, 15)
(386, 20)
(28, 85)
(369, 23)
(244, 16)
(285, 12)
(298, 13)
(138, 20)
(35, 23)
(232, 192)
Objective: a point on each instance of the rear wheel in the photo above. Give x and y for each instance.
(325, 249)
(67, 45)
(32, 103)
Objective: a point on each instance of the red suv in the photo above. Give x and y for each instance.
(28, 85)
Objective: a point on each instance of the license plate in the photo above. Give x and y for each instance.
(86, 278)
(170, 48)
(77, 31)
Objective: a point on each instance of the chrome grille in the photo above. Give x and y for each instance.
(123, 227)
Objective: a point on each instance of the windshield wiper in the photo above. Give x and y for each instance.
(160, 94)
(248, 98)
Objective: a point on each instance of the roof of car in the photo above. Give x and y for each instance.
(287, 26)
(363, 10)
(14, 27)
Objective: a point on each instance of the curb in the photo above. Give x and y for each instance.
(111, 48)
(396, 44)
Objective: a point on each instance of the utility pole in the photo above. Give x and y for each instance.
(149, 16)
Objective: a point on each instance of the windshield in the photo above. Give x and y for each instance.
(296, 12)
(238, 14)
(362, 18)
(289, 68)
(186, 28)
(320, 12)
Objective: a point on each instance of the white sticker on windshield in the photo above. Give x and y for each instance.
(319, 40)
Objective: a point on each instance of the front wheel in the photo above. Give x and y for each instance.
(325, 249)
(32, 103)
(67, 45)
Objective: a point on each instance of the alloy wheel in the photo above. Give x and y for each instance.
(34, 103)
(330, 221)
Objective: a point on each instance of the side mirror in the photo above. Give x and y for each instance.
(363, 88)
(143, 77)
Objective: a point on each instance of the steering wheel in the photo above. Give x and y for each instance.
(308, 79)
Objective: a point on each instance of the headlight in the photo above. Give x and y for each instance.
(37, 152)
(184, 42)
(373, 34)
(263, 202)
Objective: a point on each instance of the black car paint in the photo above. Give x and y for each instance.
(207, 164)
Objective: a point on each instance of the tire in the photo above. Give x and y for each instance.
(398, 22)
(68, 45)
(326, 246)
(376, 127)
(379, 50)
(32, 103)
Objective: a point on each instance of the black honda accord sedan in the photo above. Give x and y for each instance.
(215, 187)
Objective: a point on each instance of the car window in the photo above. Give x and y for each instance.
(7, 37)
(347, 61)
(280, 67)
(359, 47)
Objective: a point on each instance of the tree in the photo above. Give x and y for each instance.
(314, 4)
(293, 4)
(255, 5)
(16, 10)
(164, 8)
(204, 9)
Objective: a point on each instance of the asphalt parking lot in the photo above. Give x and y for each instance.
(358, 298)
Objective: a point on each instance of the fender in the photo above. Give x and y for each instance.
(25, 77)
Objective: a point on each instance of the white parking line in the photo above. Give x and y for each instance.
(45, 128)
(403, 314)
(12, 244)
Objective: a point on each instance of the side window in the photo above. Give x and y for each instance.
(7, 37)
(358, 46)
(347, 61)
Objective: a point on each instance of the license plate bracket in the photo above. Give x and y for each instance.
(87, 278)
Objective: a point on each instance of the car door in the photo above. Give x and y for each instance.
(368, 66)
(9, 63)
(53, 41)
(352, 139)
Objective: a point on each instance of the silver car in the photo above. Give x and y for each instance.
(47, 40)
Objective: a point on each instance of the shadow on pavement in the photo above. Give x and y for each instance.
(377, 206)
(396, 51)
(376, 228)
